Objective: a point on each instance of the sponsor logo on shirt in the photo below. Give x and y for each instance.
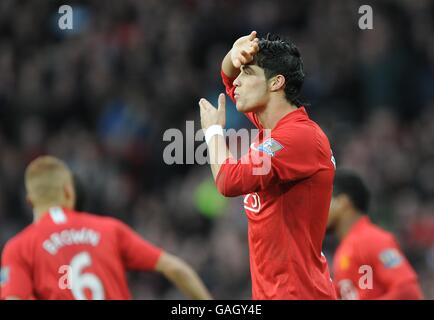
(252, 202)
(391, 258)
(344, 262)
(4, 276)
(269, 146)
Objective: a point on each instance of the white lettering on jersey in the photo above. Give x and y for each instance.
(77, 279)
(69, 237)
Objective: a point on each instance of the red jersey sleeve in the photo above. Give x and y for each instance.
(136, 253)
(290, 154)
(394, 271)
(230, 88)
(16, 279)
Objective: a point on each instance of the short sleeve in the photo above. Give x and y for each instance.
(389, 263)
(15, 279)
(288, 155)
(136, 253)
(295, 153)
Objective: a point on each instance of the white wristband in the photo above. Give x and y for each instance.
(212, 131)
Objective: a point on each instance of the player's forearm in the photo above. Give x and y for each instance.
(218, 153)
(228, 67)
(189, 283)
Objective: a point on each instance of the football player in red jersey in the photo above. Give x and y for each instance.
(286, 177)
(368, 264)
(66, 254)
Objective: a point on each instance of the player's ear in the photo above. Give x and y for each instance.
(29, 201)
(338, 203)
(344, 201)
(68, 190)
(69, 193)
(277, 83)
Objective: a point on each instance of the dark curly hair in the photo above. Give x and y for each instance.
(279, 56)
(350, 183)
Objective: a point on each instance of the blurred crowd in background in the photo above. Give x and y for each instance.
(100, 97)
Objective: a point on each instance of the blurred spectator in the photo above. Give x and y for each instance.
(101, 97)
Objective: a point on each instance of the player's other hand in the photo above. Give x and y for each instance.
(244, 50)
(209, 115)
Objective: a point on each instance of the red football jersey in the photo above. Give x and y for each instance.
(286, 206)
(368, 264)
(74, 255)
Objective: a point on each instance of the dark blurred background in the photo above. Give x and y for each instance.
(100, 97)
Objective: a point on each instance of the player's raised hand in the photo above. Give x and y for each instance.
(244, 49)
(209, 115)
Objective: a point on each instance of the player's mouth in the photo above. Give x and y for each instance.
(236, 96)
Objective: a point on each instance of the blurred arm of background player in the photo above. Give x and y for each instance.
(173, 268)
(182, 276)
(179, 273)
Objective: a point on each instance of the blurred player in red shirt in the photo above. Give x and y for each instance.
(368, 264)
(286, 177)
(66, 254)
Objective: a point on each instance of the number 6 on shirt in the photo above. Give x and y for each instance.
(80, 281)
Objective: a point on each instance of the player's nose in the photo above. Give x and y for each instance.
(237, 82)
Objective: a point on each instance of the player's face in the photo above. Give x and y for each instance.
(251, 90)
